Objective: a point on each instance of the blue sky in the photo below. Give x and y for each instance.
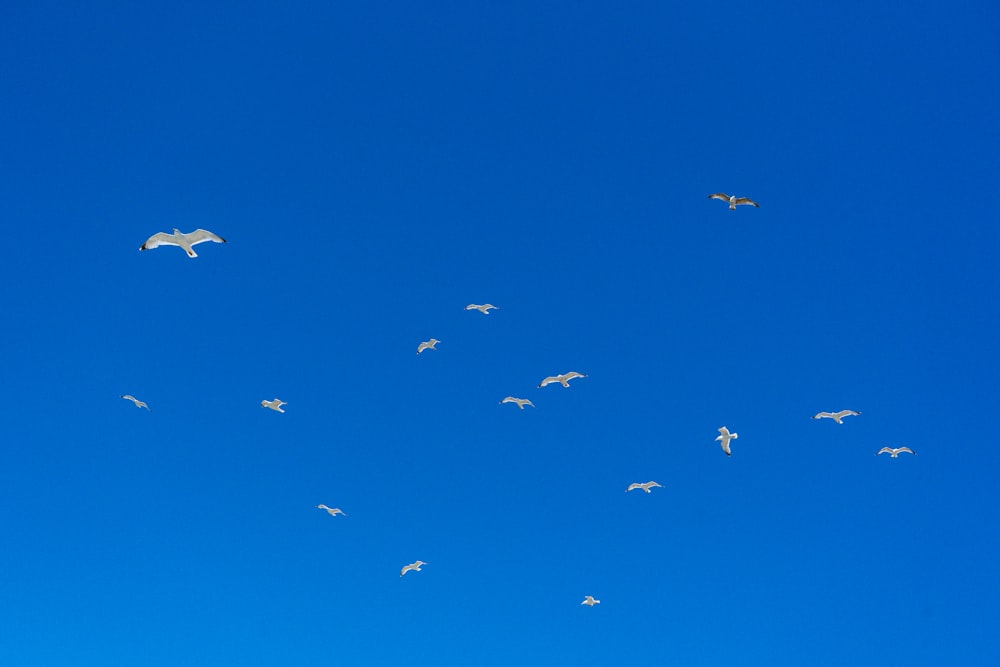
(377, 167)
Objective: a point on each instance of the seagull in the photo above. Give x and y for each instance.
(138, 403)
(484, 309)
(561, 379)
(590, 601)
(734, 200)
(645, 486)
(332, 511)
(274, 405)
(412, 566)
(181, 239)
(429, 345)
(836, 416)
(725, 438)
(895, 452)
(521, 402)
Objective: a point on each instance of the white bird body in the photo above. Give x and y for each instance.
(274, 405)
(428, 345)
(561, 379)
(412, 566)
(645, 486)
(484, 309)
(894, 453)
(836, 416)
(521, 402)
(178, 238)
(332, 511)
(734, 200)
(138, 403)
(590, 601)
(724, 437)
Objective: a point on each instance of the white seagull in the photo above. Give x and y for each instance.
(181, 239)
(521, 402)
(412, 566)
(428, 345)
(645, 486)
(484, 309)
(332, 511)
(274, 405)
(895, 452)
(590, 601)
(836, 416)
(724, 439)
(561, 379)
(734, 200)
(138, 403)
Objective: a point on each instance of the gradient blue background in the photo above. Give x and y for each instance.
(377, 166)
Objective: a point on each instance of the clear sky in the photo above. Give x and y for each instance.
(377, 166)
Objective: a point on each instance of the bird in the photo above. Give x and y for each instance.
(836, 416)
(428, 345)
(332, 511)
(590, 601)
(724, 439)
(561, 379)
(895, 452)
(484, 309)
(274, 405)
(138, 403)
(644, 486)
(521, 402)
(412, 566)
(178, 238)
(734, 200)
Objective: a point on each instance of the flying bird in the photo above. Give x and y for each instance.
(734, 200)
(724, 439)
(894, 453)
(428, 345)
(836, 416)
(412, 566)
(645, 486)
(521, 402)
(138, 403)
(332, 511)
(590, 601)
(181, 239)
(484, 309)
(561, 379)
(274, 405)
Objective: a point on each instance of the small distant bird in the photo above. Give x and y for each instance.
(429, 345)
(484, 309)
(274, 405)
(332, 511)
(836, 416)
(561, 379)
(724, 439)
(894, 453)
(645, 486)
(181, 239)
(734, 201)
(590, 601)
(521, 402)
(412, 566)
(138, 403)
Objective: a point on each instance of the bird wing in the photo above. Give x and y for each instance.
(655, 484)
(724, 431)
(747, 200)
(129, 397)
(471, 306)
(158, 239)
(509, 399)
(905, 449)
(633, 485)
(549, 380)
(845, 413)
(203, 235)
(725, 447)
(719, 195)
(884, 450)
(820, 415)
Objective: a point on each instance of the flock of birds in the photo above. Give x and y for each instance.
(187, 241)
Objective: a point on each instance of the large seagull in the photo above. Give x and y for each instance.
(178, 238)
(724, 437)
(836, 416)
(734, 200)
(561, 379)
